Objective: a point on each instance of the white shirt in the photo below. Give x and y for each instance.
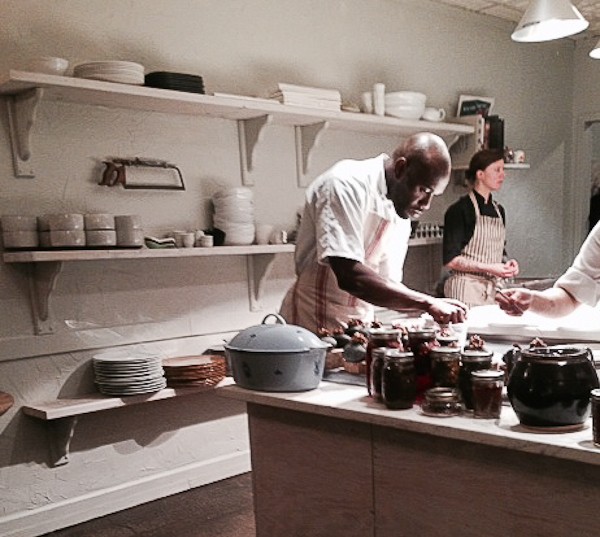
(347, 214)
(582, 278)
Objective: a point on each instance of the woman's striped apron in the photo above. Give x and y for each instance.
(486, 246)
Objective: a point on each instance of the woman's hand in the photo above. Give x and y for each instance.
(512, 266)
(502, 270)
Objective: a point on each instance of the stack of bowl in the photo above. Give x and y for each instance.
(61, 230)
(405, 104)
(234, 215)
(100, 230)
(130, 233)
(111, 71)
(19, 232)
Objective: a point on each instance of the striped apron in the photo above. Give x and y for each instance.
(486, 246)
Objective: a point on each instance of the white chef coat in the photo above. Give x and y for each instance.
(347, 214)
(582, 278)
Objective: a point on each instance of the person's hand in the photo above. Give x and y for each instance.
(501, 270)
(514, 301)
(512, 265)
(447, 310)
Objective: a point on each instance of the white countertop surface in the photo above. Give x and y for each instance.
(352, 403)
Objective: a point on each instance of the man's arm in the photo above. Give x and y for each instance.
(364, 283)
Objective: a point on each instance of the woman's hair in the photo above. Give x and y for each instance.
(481, 160)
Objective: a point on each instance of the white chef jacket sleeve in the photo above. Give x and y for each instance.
(339, 211)
(582, 278)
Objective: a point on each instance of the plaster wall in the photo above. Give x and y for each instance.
(181, 307)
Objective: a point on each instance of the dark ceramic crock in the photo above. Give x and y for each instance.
(550, 386)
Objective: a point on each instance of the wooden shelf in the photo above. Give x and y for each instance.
(61, 415)
(24, 91)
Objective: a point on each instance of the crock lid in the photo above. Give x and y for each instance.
(277, 337)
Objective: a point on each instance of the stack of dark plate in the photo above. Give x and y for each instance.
(202, 370)
(175, 81)
(128, 373)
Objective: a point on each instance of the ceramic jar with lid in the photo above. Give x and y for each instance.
(398, 379)
(471, 360)
(551, 386)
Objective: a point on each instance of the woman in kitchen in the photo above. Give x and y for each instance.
(475, 235)
(354, 233)
(580, 284)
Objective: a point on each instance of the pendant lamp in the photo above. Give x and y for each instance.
(545, 20)
(595, 52)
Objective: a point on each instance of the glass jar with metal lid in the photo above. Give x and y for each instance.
(377, 338)
(487, 393)
(442, 402)
(472, 360)
(420, 343)
(445, 366)
(398, 379)
(377, 359)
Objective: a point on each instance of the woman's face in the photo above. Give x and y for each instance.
(492, 177)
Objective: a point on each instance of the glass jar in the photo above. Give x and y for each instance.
(420, 343)
(380, 337)
(487, 393)
(442, 402)
(447, 341)
(398, 379)
(377, 359)
(445, 366)
(471, 360)
(596, 416)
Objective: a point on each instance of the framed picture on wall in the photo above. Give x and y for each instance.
(471, 105)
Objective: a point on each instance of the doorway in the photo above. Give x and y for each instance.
(594, 214)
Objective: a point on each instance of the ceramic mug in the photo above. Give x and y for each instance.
(434, 114)
(519, 156)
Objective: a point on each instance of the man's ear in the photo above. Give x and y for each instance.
(400, 167)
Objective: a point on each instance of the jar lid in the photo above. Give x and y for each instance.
(442, 394)
(428, 332)
(487, 374)
(595, 393)
(384, 332)
(476, 355)
(445, 350)
(398, 354)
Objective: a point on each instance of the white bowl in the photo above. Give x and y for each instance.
(19, 223)
(405, 112)
(67, 238)
(48, 64)
(397, 97)
(99, 221)
(20, 239)
(100, 237)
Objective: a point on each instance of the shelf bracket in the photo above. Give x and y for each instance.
(307, 138)
(22, 109)
(249, 134)
(259, 266)
(41, 284)
(60, 433)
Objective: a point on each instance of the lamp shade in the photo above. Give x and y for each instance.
(545, 20)
(595, 52)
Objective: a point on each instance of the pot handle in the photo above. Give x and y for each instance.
(280, 319)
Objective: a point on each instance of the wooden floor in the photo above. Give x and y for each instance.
(222, 509)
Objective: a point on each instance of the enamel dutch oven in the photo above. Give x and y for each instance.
(277, 357)
(550, 386)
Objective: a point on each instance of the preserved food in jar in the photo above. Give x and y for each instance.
(487, 393)
(420, 343)
(380, 337)
(442, 402)
(471, 360)
(445, 366)
(377, 362)
(398, 379)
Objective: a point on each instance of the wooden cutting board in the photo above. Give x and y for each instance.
(6, 401)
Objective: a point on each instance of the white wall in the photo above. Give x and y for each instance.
(184, 306)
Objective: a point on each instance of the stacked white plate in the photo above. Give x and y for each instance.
(234, 214)
(111, 71)
(128, 373)
(405, 104)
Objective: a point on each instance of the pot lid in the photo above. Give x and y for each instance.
(276, 337)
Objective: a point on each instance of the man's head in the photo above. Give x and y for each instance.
(418, 170)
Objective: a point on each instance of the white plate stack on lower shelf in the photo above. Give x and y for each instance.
(120, 373)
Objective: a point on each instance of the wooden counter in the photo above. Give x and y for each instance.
(332, 462)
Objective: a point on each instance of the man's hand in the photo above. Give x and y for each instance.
(447, 310)
(514, 301)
